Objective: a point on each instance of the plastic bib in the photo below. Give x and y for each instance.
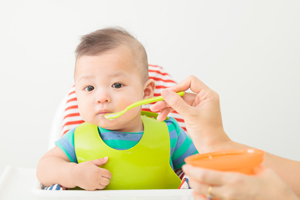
(144, 166)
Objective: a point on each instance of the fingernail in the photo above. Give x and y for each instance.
(165, 93)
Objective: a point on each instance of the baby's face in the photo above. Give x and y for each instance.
(108, 83)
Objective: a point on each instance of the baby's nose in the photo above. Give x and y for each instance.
(103, 98)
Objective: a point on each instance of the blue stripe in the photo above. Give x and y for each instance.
(51, 187)
(171, 163)
(172, 151)
(187, 181)
(181, 139)
(103, 130)
(69, 148)
(121, 136)
(177, 127)
(169, 122)
(120, 149)
(57, 187)
(189, 152)
(173, 134)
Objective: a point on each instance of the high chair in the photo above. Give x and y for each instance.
(20, 183)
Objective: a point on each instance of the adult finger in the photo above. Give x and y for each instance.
(204, 189)
(176, 102)
(224, 184)
(159, 106)
(189, 98)
(206, 176)
(192, 83)
(197, 186)
(163, 114)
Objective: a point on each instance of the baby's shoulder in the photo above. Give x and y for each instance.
(70, 134)
(173, 125)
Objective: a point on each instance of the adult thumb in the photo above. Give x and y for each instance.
(175, 101)
(100, 161)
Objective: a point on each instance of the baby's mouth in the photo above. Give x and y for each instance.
(103, 112)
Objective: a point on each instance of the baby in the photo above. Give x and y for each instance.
(130, 152)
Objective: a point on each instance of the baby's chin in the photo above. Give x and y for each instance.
(109, 124)
(119, 123)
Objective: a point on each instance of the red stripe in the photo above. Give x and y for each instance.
(71, 107)
(146, 109)
(159, 94)
(65, 132)
(159, 79)
(182, 182)
(179, 119)
(156, 94)
(182, 175)
(73, 99)
(73, 92)
(73, 122)
(159, 72)
(72, 115)
(160, 87)
(155, 66)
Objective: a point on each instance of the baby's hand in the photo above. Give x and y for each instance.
(89, 176)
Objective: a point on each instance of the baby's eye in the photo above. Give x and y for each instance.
(117, 85)
(89, 88)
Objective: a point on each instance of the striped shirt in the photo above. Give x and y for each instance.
(181, 145)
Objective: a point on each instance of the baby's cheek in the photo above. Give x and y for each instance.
(84, 112)
(122, 104)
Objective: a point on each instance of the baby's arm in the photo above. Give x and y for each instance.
(55, 167)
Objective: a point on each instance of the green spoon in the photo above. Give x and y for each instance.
(139, 103)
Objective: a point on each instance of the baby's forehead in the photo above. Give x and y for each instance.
(131, 72)
(125, 57)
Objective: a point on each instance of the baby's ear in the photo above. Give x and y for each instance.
(149, 87)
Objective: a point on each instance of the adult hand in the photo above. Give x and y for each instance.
(200, 110)
(202, 115)
(264, 185)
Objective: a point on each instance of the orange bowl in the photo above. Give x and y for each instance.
(238, 160)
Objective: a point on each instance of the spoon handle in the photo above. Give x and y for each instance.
(150, 100)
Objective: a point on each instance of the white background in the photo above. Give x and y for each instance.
(247, 51)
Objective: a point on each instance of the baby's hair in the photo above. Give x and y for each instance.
(106, 39)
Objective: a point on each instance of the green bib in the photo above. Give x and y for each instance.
(144, 166)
